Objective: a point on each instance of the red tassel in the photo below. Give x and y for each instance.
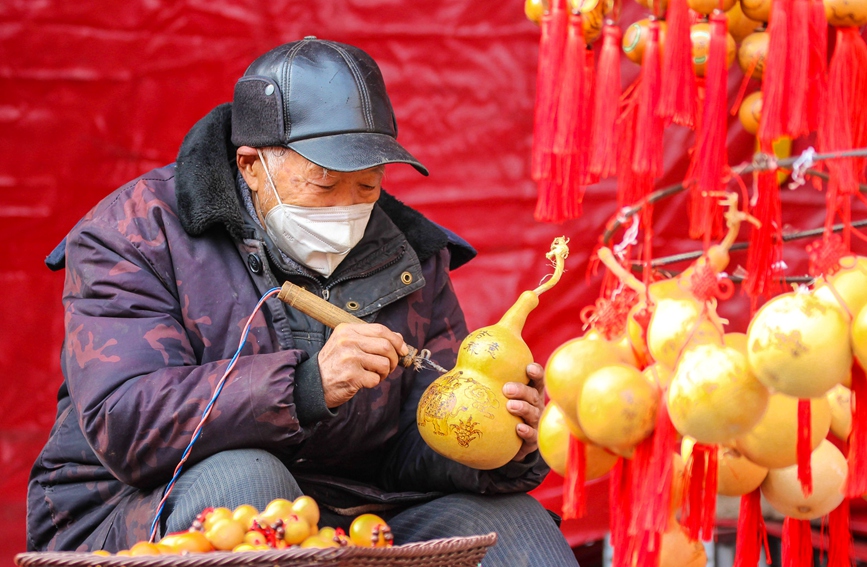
(570, 126)
(710, 158)
(804, 448)
(797, 548)
(652, 470)
(588, 120)
(775, 78)
(843, 125)
(700, 487)
(818, 73)
(573, 143)
(701, 97)
(678, 101)
(751, 534)
(646, 549)
(765, 252)
(647, 153)
(840, 547)
(577, 164)
(574, 495)
(620, 512)
(569, 108)
(549, 204)
(607, 104)
(798, 68)
(856, 480)
(631, 186)
(552, 42)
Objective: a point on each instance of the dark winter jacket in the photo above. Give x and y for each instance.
(161, 277)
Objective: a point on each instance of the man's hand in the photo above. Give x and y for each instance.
(358, 356)
(527, 402)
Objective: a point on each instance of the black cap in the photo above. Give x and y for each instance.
(324, 100)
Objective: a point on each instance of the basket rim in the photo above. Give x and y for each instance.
(441, 546)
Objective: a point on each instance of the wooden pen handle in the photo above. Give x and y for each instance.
(314, 306)
(327, 313)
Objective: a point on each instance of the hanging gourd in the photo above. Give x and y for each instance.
(740, 26)
(782, 489)
(758, 10)
(713, 396)
(840, 400)
(773, 442)
(699, 35)
(847, 287)
(736, 475)
(753, 53)
(750, 112)
(617, 407)
(799, 345)
(635, 38)
(554, 446)
(572, 362)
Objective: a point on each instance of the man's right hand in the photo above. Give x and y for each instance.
(357, 356)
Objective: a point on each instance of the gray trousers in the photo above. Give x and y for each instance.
(526, 533)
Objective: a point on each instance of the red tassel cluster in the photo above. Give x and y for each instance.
(552, 43)
(840, 546)
(752, 535)
(700, 488)
(574, 495)
(775, 77)
(765, 253)
(709, 162)
(647, 151)
(843, 124)
(856, 480)
(573, 133)
(797, 548)
(619, 490)
(651, 496)
(817, 81)
(678, 101)
(549, 77)
(793, 78)
(607, 104)
(804, 448)
(798, 62)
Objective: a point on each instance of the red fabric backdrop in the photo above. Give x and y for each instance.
(95, 93)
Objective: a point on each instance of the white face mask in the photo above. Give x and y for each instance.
(318, 237)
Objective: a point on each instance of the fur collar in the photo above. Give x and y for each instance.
(208, 199)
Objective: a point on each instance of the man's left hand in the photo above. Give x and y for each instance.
(527, 402)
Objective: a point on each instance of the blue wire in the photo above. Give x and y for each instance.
(211, 403)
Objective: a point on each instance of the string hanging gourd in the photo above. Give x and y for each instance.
(462, 415)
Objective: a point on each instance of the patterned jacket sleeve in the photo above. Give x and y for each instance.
(132, 362)
(411, 463)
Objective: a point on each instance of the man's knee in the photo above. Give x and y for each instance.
(229, 479)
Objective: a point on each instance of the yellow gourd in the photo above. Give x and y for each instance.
(462, 415)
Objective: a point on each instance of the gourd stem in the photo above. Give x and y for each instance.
(558, 253)
(516, 316)
(734, 218)
(606, 256)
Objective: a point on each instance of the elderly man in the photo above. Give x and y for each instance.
(162, 276)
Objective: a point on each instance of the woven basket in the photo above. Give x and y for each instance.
(449, 552)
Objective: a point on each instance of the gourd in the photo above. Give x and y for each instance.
(798, 344)
(462, 415)
(773, 442)
(782, 489)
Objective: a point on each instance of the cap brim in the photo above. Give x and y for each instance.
(355, 151)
